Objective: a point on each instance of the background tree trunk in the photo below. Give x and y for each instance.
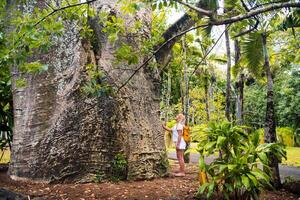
(228, 76)
(186, 94)
(206, 102)
(61, 133)
(270, 125)
(240, 87)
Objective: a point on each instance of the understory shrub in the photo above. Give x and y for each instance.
(237, 173)
(119, 168)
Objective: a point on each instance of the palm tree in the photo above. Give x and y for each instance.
(255, 50)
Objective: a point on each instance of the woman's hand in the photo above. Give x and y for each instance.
(165, 127)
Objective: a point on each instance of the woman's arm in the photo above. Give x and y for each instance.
(166, 128)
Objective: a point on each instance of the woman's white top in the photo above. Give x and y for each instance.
(175, 129)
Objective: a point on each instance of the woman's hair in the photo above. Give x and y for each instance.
(181, 117)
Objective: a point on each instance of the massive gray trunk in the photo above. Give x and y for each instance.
(270, 125)
(62, 133)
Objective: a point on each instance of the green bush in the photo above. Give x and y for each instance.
(285, 135)
(119, 168)
(236, 173)
(297, 137)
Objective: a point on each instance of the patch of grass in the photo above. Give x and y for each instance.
(6, 157)
(293, 156)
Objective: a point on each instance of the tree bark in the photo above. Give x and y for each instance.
(63, 134)
(206, 102)
(270, 125)
(186, 94)
(228, 75)
(240, 87)
(169, 88)
(186, 82)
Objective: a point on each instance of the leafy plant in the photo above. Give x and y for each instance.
(237, 173)
(6, 115)
(99, 177)
(119, 168)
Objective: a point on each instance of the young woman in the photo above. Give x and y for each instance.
(177, 137)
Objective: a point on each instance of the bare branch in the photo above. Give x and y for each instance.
(195, 8)
(255, 12)
(267, 3)
(62, 8)
(220, 22)
(208, 52)
(247, 31)
(54, 10)
(157, 50)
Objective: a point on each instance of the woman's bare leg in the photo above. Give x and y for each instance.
(181, 161)
(178, 158)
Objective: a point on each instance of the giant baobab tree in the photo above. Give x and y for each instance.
(60, 133)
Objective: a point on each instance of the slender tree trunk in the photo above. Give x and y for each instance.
(228, 77)
(207, 102)
(240, 100)
(270, 125)
(186, 94)
(182, 94)
(240, 91)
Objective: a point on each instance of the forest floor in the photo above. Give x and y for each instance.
(169, 188)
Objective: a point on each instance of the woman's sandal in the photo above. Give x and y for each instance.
(179, 174)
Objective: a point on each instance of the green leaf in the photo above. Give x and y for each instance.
(253, 179)
(220, 141)
(202, 164)
(263, 157)
(246, 182)
(202, 188)
(210, 191)
(209, 145)
(252, 49)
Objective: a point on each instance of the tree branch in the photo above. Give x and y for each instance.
(157, 50)
(248, 31)
(195, 8)
(220, 22)
(62, 8)
(54, 10)
(255, 12)
(267, 3)
(208, 52)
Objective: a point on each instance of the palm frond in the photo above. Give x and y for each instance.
(252, 51)
(291, 21)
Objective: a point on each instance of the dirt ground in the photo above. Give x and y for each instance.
(170, 188)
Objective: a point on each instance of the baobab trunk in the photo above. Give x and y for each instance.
(270, 125)
(61, 133)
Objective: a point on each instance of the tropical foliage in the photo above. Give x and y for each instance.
(237, 173)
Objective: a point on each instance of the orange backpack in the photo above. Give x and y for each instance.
(186, 134)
